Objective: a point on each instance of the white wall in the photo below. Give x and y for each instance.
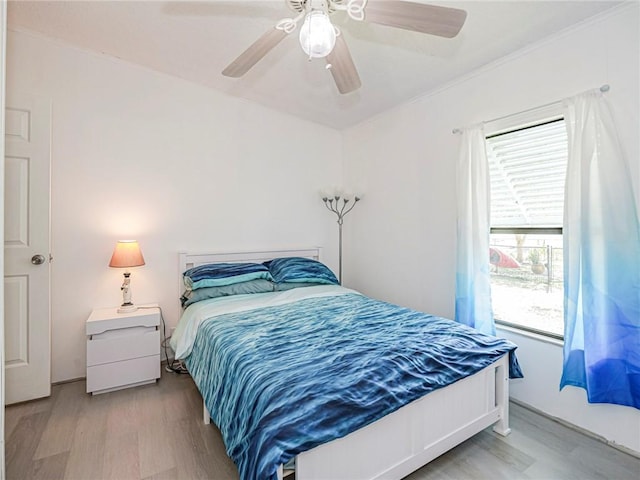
(138, 154)
(401, 241)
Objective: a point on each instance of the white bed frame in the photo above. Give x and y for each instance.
(407, 439)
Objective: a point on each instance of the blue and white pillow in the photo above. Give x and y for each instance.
(221, 274)
(300, 270)
(243, 288)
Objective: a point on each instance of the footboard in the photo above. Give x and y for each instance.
(407, 439)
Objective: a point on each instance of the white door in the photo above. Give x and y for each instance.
(27, 332)
(3, 28)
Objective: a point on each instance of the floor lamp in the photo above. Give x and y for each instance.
(340, 205)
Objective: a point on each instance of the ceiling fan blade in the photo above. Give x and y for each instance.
(418, 17)
(342, 67)
(254, 53)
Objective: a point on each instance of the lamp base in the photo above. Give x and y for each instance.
(127, 308)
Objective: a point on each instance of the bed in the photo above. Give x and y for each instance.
(250, 356)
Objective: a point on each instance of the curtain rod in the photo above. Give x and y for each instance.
(604, 88)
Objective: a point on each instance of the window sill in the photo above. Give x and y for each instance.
(532, 335)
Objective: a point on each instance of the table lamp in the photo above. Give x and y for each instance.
(127, 254)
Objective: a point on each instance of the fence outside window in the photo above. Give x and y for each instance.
(527, 286)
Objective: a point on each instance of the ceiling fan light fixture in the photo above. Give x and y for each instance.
(317, 35)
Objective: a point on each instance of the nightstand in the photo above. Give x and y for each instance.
(123, 349)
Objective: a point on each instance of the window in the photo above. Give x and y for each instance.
(527, 168)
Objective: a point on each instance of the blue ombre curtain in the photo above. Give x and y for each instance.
(601, 260)
(473, 287)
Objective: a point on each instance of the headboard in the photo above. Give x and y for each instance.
(189, 260)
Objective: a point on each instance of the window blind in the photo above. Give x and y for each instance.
(527, 169)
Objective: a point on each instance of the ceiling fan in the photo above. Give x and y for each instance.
(319, 38)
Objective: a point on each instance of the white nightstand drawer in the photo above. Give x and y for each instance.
(106, 319)
(122, 344)
(117, 375)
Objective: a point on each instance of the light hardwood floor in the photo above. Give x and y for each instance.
(156, 432)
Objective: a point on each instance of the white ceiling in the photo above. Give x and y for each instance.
(196, 40)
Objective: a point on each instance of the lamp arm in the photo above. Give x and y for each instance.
(339, 211)
(350, 208)
(345, 202)
(326, 204)
(329, 204)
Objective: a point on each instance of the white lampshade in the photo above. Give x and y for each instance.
(317, 35)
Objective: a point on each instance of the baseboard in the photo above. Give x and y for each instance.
(70, 380)
(578, 429)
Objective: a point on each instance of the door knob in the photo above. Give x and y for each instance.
(37, 259)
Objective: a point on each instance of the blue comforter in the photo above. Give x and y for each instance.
(283, 379)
